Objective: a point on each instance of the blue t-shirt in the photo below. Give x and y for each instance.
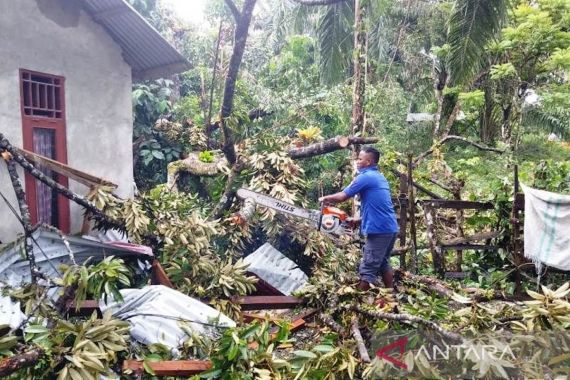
(378, 215)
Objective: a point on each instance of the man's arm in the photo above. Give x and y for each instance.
(335, 198)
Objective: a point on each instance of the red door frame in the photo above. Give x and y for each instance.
(30, 122)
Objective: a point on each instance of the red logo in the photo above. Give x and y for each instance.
(401, 344)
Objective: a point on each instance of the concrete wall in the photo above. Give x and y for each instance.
(58, 37)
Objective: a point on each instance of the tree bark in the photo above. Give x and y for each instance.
(409, 319)
(228, 195)
(327, 146)
(431, 283)
(242, 26)
(194, 166)
(359, 61)
(412, 215)
(440, 81)
(25, 217)
(452, 118)
(246, 212)
(17, 362)
(359, 341)
(436, 252)
(208, 120)
(330, 322)
(21, 160)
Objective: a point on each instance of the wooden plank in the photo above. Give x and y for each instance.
(159, 276)
(474, 237)
(86, 308)
(460, 205)
(249, 317)
(417, 185)
(170, 367)
(519, 202)
(65, 170)
(268, 302)
(263, 288)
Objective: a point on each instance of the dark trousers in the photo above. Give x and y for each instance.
(376, 256)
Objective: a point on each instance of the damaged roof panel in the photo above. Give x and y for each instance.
(276, 269)
(50, 252)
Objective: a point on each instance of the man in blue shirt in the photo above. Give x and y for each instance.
(378, 222)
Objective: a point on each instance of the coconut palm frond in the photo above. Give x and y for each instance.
(335, 38)
(548, 119)
(472, 25)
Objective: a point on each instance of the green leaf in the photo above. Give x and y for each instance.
(158, 154)
(304, 354)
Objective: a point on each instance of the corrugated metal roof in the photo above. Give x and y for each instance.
(156, 314)
(50, 252)
(276, 269)
(144, 49)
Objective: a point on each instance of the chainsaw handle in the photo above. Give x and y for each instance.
(322, 204)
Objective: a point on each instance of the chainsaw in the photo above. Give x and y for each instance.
(330, 220)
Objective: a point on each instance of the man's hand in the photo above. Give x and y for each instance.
(333, 198)
(353, 222)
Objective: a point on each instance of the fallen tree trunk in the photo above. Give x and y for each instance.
(408, 319)
(330, 145)
(22, 161)
(19, 361)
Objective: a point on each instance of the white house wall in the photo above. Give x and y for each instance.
(57, 37)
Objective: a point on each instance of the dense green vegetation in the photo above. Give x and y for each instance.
(466, 89)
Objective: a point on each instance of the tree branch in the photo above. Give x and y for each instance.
(408, 319)
(22, 161)
(234, 10)
(330, 145)
(253, 115)
(355, 329)
(228, 195)
(25, 216)
(19, 361)
(453, 137)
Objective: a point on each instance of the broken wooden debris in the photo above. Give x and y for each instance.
(66, 170)
(159, 276)
(169, 367)
(84, 309)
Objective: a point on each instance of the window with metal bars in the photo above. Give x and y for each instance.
(41, 95)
